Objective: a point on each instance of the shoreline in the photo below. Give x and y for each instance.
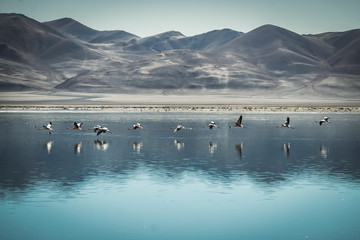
(72, 101)
(175, 107)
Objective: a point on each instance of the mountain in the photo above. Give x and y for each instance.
(279, 50)
(66, 55)
(211, 40)
(75, 29)
(25, 40)
(346, 58)
(175, 40)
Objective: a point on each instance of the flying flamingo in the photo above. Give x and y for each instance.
(238, 123)
(325, 120)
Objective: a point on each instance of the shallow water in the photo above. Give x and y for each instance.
(258, 182)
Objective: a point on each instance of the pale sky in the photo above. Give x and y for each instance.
(192, 17)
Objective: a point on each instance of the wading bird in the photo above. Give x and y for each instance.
(238, 123)
(47, 127)
(325, 120)
(287, 123)
(77, 126)
(212, 125)
(102, 130)
(178, 128)
(96, 128)
(136, 126)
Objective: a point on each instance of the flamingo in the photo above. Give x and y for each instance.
(238, 123)
(97, 128)
(47, 127)
(212, 125)
(287, 123)
(102, 130)
(136, 126)
(325, 120)
(77, 126)
(178, 128)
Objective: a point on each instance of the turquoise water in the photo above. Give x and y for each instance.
(258, 182)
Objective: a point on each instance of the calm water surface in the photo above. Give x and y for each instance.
(258, 182)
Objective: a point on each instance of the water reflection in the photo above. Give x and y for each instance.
(239, 149)
(132, 196)
(179, 145)
(137, 146)
(286, 147)
(48, 145)
(262, 161)
(77, 147)
(324, 152)
(101, 145)
(212, 148)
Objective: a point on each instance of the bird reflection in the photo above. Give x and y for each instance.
(137, 146)
(324, 151)
(212, 147)
(287, 149)
(48, 146)
(101, 145)
(179, 145)
(78, 147)
(239, 148)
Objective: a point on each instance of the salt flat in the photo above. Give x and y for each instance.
(74, 98)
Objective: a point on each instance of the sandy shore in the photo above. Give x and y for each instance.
(158, 102)
(176, 108)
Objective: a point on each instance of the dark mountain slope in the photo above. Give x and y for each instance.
(75, 29)
(339, 40)
(278, 49)
(28, 41)
(346, 57)
(71, 27)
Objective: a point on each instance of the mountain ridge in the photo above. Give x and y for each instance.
(74, 28)
(65, 54)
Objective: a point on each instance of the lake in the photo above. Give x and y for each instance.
(257, 182)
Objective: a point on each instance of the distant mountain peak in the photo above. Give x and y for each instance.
(167, 34)
(76, 29)
(72, 27)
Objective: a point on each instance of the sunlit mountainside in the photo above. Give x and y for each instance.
(65, 55)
